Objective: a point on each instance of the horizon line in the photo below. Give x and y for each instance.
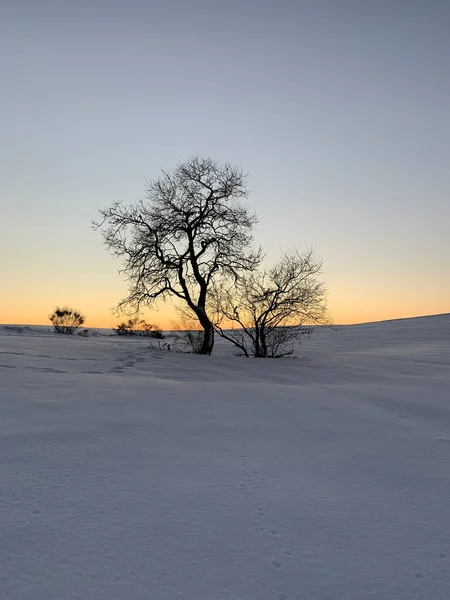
(319, 325)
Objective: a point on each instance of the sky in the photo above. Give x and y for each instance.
(338, 112)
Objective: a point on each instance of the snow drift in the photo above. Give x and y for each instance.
(135, 473)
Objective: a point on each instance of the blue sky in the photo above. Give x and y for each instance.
(338, 111)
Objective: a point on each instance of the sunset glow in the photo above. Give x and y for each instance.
(339, 114)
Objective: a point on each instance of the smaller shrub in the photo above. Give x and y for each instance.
(156, 333)
(66, 320)
(139, 327)
(189, 340)
(125, 328)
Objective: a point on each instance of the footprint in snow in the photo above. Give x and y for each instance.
(284, 551)
(273, 532)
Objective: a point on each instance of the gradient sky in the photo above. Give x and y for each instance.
(339, 110)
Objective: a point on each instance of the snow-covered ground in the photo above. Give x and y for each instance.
(129, 473)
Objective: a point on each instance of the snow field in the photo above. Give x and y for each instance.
(134, 473)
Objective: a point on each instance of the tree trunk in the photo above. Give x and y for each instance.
(208, 329)
(263, 343)
(208, 340)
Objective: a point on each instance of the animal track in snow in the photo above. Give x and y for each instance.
(273, 532)
(46, 370)
(284, 550)
(277, 564)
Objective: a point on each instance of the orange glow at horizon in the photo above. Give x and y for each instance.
(167, 319)
(350, 301)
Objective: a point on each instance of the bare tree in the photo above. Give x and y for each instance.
(189, 233)
(268, 310)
